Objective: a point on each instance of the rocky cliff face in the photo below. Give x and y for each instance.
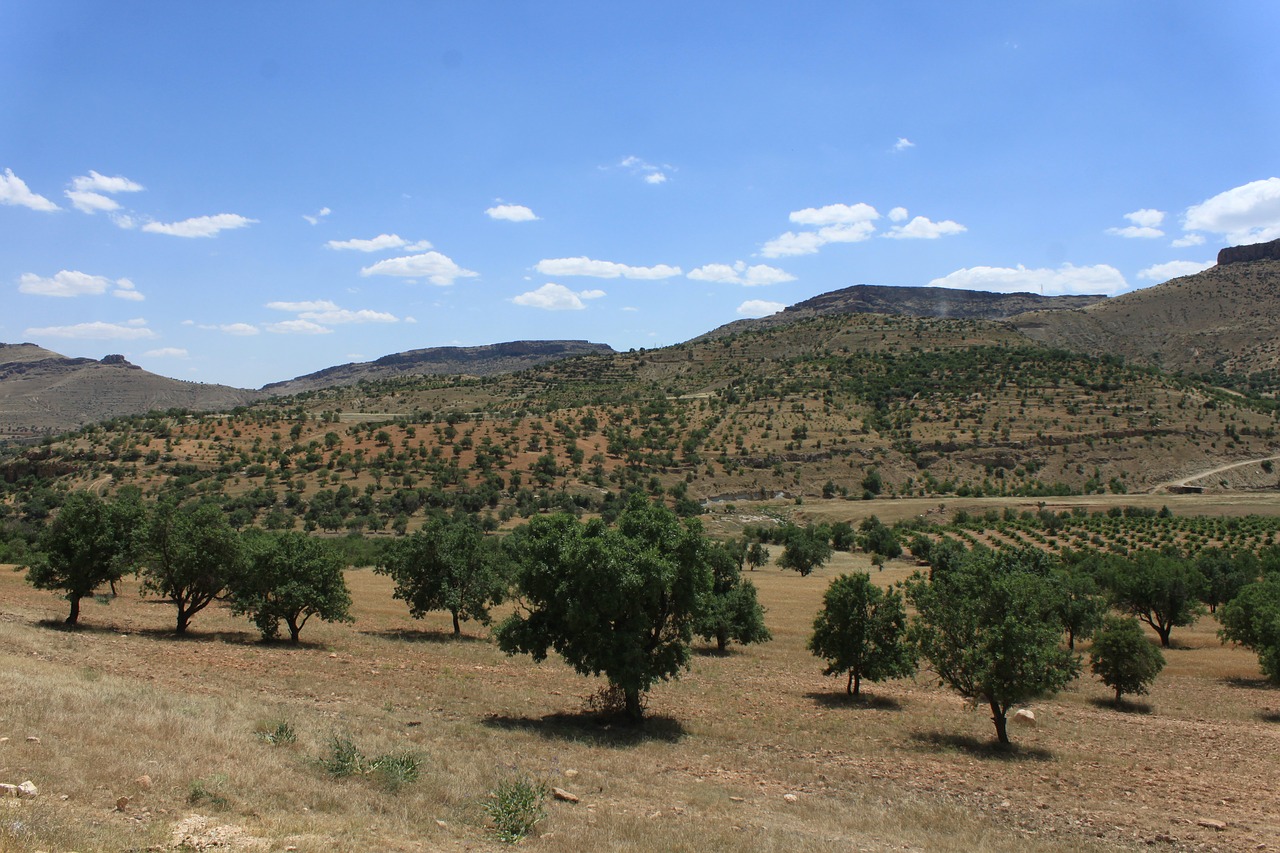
(1245, 254)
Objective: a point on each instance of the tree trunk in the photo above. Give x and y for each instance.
(1164, 632)
(184, 617)
(1118, 702)
(1002, 724)
(75, 609)
(634, 712)
(457, 626)
(722, 640)
(294, 630)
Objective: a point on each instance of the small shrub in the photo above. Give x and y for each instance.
(278, 733)
(343, 759)
(516, 805)
(206, 791)
(393, 770)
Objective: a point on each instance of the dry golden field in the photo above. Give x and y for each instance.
(910, 768)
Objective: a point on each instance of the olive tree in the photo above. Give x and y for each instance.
(290, 577)
(1252, 620)
(1124, 658)
(805, 549)
(1161, 589)
(193, 555)
(88, 544)
(861, 630)
(732, 611)
(619, 601)
(449, 564)
(989, 629)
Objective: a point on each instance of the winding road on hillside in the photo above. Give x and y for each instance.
(1200, 475)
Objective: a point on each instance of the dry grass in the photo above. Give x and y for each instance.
(910, 768)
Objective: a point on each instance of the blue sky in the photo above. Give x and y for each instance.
(242, 192)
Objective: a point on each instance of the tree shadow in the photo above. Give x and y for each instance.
(713, 652)
(1250, 683)
(1269, 716)
(417, 636)
(1126, 706)
(593, 729)
(862, 701)
(991, 749)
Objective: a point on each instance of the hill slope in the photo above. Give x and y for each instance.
(1222, 319)
(438, 361)
(44, 392)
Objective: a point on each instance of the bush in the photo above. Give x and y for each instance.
(516, 805)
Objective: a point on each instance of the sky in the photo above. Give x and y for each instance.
(244, 192)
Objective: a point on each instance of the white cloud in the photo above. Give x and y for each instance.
(1146, 217)
(898, 214)
(835, 214)
(91, 202)
(13, 190)
(650, 173)
(740, 273)
(433, 266)
(239, 330)
(791, 243)
(200, 226)
(1245, 214)
(296, 327)
(556, 297)
(603, 269)
(511, 213)
(377, 244)
(298, 307)
(166, 352)
(66, 283)
(130, 330)
(126, 290)
(1136, 231)
(93, 182)
(320, 214)
(1174, 269)
(1188, 240)
(903, 144)
(342, 315)
(922, 228)
(124, 220)
(759, 308)
(1067, 279)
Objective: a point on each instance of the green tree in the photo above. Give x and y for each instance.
(291, 577)
(448, 564)
(1252, 620)
(619, 601)
(1081, 606)
(862, 630)
(805, 549)
(88, 544)
(1161, 589)
(757, 556)
(193, 554)
(989, 629)
(879, 539)
(1124, 658)
(732, 611)
(1225, 574)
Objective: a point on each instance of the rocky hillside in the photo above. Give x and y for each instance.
(490, 360)
(1223, 319)
(934, 302)
(43, 392)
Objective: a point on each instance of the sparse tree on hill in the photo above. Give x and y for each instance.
(290, 577)
(1124, 658)
(619, 601)
(861, 630)
(193, 554)
(448, 564)
(732, 612)
(988, 628)
(90, 543)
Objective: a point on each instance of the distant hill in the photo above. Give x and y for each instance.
(487, 360)
(1224, 318)
(934, 302)
(43, 392)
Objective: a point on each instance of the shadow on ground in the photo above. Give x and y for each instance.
(404, 636)
(861, 702)
(592, 729)
(991, 749)
(1126, 706)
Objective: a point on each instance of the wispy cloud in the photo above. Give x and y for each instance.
(646, 171)
(1174, 269)
(740, 273)
(923, 228)
(903, 144)
(297, 327)
(603, 269)
(200, 226)
(433, 266)
(1143, 224)
(759, 308)
(166, 352)
(556, 297)
(13, 190)
(130, 330)
(381, 243)
(315, 218)
(326, 313)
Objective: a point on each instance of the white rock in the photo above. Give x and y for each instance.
(1025, 718)
(28, 789)
(790, 798)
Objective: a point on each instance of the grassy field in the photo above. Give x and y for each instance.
(910, 767)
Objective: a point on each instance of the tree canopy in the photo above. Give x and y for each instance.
(861, 630)
(290, 577)
(193, 555)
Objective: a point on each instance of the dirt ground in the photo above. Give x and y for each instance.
(1194, 766)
